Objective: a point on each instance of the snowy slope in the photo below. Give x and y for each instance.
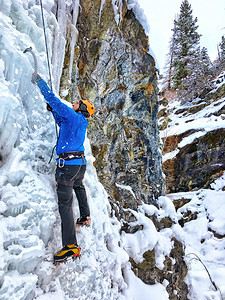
(200, 239)
(202, 121)
(29, 221)
(204, 235)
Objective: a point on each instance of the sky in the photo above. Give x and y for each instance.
(161, 14)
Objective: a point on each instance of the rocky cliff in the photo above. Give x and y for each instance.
(193, 140)
(112, 68)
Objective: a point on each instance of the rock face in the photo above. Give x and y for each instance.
(199, 145)
(174, 272)
(197, 164)
(113, 69)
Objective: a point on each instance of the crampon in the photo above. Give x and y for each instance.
(66, 260)
(84, 221)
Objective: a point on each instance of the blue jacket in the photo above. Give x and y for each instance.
(72, 125)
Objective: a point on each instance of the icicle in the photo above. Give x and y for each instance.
(117, 6)
(74, 33)
(101, 7)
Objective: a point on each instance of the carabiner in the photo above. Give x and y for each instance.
(63, 163)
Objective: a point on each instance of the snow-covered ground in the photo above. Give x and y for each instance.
(204, 236)
(199, 239)
(29, 220)
(202, 121)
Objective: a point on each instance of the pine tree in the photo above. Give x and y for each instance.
(199, 80)
(190, 83)
(186, 41)
(167, 82)
(220, 61)
(205, 64)
(222, 52)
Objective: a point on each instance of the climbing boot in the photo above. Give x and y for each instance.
(67, 252)
(84, 221)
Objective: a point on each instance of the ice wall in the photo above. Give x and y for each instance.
(30, 227)
(26, 138)
(29, 221)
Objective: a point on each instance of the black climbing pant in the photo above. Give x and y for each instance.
(70, 178)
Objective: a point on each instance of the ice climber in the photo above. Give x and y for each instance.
(71, 165)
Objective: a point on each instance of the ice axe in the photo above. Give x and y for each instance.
(35, 59)
(35, 68)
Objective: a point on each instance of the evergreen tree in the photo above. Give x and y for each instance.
(167, 82)
(189, 69)
(205, 64)
(186, 41)
(199, 80)
(220, 61)
(222, 52)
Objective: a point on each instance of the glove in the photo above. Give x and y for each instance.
(49, 108)
(35, 77)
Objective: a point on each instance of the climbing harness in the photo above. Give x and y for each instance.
(71, 155)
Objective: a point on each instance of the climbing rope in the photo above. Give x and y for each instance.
(49, 70)
(46, 44)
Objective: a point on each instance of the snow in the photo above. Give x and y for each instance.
(170, 155)
(29, 221)
(125, 187)
(131, 242)
(219, 183)
(199, 240)
(202, 122)
(140, 14)
(139, 290)
(199, 120)
(219, 80)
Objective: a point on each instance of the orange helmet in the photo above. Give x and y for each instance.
(86, 107)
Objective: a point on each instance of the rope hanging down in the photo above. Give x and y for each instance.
(49, 70)
(46, 44)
